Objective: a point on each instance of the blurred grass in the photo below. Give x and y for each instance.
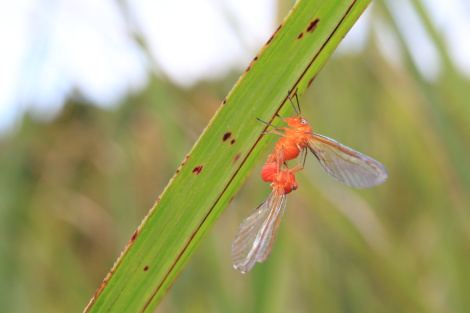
(66, 189)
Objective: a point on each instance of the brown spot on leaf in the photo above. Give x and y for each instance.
(313, 25)
(134, 236)
(185, 159)
(274, 34)
(146, 268)
(311, 81)
(301, 35)
(100, 289)
(232, 142)
(236, 158)
(227, 135)
(198, 169)
(269, 41)
(252, 62)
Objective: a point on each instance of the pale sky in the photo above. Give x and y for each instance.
(53, 47)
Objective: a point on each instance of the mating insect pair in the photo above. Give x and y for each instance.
(257, 233)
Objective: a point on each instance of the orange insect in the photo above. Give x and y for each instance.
(340, 162)
(257, 233)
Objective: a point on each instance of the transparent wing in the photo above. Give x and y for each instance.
(271, 233)
(257, 233)
(346, 165)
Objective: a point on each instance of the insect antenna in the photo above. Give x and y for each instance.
(269, 124)
(296, 109)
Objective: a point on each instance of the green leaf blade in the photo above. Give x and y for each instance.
(215, 168)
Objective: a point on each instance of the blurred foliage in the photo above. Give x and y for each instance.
(73, 191)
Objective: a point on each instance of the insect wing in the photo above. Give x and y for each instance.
(346, 165)
(257, 233)
(271, 233)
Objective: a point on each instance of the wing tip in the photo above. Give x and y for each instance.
(379, 179)
(241, 268)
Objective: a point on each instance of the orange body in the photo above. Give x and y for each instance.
(269, 171)
(295, 138)
(299, 132)
(285, 181)
(288, 147)
(282, 179)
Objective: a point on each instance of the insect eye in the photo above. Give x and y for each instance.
(303, 121)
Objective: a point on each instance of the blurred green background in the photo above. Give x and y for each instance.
(73, 190)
